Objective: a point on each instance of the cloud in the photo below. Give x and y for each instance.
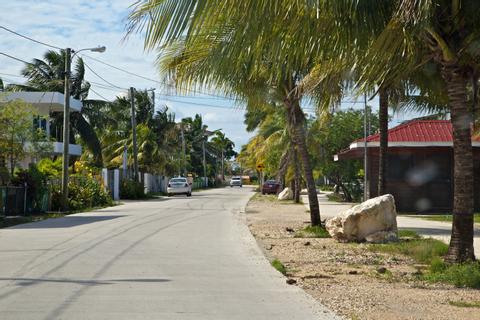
(83, 24)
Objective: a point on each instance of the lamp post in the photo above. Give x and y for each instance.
(66, 119)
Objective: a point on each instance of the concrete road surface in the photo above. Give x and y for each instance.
(175, 258)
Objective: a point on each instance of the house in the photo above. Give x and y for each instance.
(46, 103)
(420, 165)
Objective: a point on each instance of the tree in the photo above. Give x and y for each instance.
(225, 147)
(18, 136)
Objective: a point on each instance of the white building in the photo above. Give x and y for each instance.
(46, 103)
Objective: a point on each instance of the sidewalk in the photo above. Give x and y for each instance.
(426, 228)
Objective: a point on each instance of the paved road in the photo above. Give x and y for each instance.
(434, 229)
(177, 258)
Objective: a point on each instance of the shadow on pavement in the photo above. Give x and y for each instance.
(24, 282)
(65, 222)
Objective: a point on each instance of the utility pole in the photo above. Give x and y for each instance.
(134, 135)
(66, 128)
(223, 168)
(365, 152)
(204, 163)
(184, 155)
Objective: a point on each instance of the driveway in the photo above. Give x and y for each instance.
(426, 228)
(172, 258)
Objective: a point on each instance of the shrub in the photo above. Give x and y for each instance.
(50, 168)
(83, 192)
(37, 188)
(130, 189)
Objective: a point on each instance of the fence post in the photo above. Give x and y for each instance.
(105, 179)
(25, 198)
(116, 185)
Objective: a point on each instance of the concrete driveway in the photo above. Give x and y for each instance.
(175, 258)
(426, 228)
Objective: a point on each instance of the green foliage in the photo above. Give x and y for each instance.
(277, 264)
(312, 232)
(460, 275)
(421, 250)
(133, 190)
(329, 137)
(49, 167)
(16, 123)
(37, 188)
(83, 192)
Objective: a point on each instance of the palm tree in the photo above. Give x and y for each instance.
(48, 75)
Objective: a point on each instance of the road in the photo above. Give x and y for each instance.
(426, 228)
(171, 258)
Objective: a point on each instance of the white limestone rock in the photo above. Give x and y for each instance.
(368, 218)
(286, 194)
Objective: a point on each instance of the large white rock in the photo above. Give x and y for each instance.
(376, 217)
(286, 194)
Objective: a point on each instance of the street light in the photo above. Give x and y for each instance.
(66, 118)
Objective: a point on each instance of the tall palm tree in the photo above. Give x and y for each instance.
(48, 75)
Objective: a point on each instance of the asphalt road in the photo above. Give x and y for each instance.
(176, 258)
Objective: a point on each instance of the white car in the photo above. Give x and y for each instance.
(236, 181)
(179, 186)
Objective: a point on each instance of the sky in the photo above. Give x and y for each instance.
(84, 24)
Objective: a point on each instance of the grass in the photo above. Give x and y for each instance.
(279, 266)
(465, 304)
(312, 232)
(264, 197)
(460, 275)
(408, 234)
(421, 250)
(335, 197)
(445, 217)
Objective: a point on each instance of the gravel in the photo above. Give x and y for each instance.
(348, 278)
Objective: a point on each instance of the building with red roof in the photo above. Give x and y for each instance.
(419, 166)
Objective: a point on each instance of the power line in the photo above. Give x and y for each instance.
(151, 79)
(204, 105)
(15, 58)
(98, 94)
(28, 38)
(99, 76)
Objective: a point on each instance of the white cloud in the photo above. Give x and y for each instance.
(82, 24)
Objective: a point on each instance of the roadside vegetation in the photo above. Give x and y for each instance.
(444, 217)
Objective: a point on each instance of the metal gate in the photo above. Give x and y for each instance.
(13, 201)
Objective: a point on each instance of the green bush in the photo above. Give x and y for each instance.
(83, 192)
(37, 188)
(133, 190)
(50, 168)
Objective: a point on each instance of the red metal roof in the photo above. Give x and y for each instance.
(419, 131)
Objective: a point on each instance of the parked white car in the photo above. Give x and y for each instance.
(236, 181)
(179, 186)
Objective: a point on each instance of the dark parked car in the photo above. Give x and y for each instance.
(270, 186)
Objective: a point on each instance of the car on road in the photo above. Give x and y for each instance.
(179, 185)
(236, 182)
(271, 187)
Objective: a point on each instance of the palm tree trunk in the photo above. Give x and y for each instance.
(461, 242)
(296, 121)
(383, 130)
(88, 136)
(296, 194)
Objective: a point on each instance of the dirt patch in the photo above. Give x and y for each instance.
(348, 278)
